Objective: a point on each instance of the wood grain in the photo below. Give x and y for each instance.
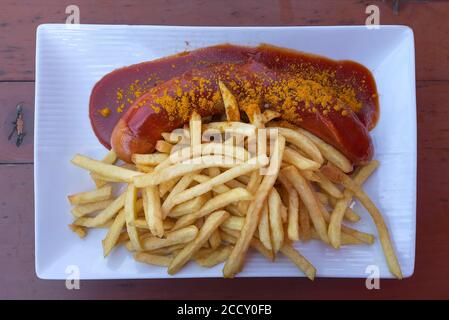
(18, 23)
(432, 256)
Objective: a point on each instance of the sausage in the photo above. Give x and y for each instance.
(169, 105)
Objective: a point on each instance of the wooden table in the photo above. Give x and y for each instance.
(429, 20)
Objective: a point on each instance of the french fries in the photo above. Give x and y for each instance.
(153, 210)
(274, 211)
(163, 146)
(210, 225)
(214, 257)
(230, 103)
(218, 202)
(210, 202)
(329, 152)
(105, 170)
(180, 169)
(264, 228)
(152, 259)
(293, 209)
(249, 166)
(110, 158)
(149, 159)
(85, 209)
(302, 263)
(184, 235)
(103, 216)
(308, 198)
(131, 215)
(95, 195)
(381, 226)
(235, 260)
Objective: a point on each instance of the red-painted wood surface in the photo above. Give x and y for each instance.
(18, 22)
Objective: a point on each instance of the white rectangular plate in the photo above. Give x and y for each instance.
(70, 59)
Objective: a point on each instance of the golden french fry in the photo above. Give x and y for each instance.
(168, 250)
(334, 231)
(309, 175)
(264, 228)
(268, 115)
(80, 231)
(246, 167)
(362, 236)
(231, 237)
(349, 215)
(215, 239)
(195, 134)
(251, 185)
(302, 263)
(323, 198)
(153, 259)
(95, 195)
(103, 169)
(216, 189)
(304, 222)
(102, 180)
(329, 152)
(327, 186)
(85, 209)
(293, 208)
(207, 149)
(166, 186)
(210, 225)
(122, 238)
(180, 186)
(140, 223)
(184, 235)
(234, 223)
(274, 212)
(346, 239)
(230, 103)
(245, 179)
(236, 258)
(170, 138)
(218, 202)
(153, 212)
(144, 168)
(300, 162)
(104, 215)
(110, 158)
(163, 146)
(189, 206)
(113, 233)
(303, 143)
(180, 169)
(234, 183)
(131, 215)
(306, 194)
(213, 171)
(152, 159)
(238, 128)
(214, 257)
(381, 226)
(234, 210)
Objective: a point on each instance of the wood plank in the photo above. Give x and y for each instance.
(18, 23)
(11, 93)
(432, 256)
